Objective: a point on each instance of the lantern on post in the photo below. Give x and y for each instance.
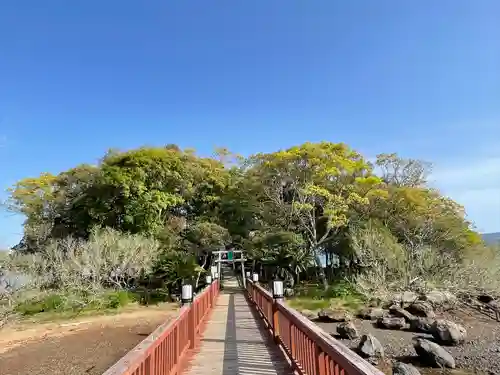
(247, 274)
(255, 277)
(277, 289)
(208, 279)
(186, 294)
(216, 275)
(213, 270)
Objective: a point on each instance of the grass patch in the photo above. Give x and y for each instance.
(341, 296)
(74, 303)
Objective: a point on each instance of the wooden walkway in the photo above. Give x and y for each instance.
(235, 341)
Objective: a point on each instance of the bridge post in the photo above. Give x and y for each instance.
(192, 326)
(277, 296)
(208, 281)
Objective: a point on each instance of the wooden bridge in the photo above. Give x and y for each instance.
(236, 331)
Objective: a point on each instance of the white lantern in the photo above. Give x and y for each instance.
(208, 279)
(277, 289)
(255, 277)
(216, 275)
(248, 274)
(213, 270)
(187, 294)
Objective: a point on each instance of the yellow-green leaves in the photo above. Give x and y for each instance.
(318, 184)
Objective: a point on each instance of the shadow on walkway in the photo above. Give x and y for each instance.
(235, 341)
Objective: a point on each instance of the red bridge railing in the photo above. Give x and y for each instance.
(310, 349)
(163, 352)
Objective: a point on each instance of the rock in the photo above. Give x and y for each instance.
(347, 330)
(494, 305)
(433, 354)
(439, 298)
(404, 298)
(402, 313)
(423, 325)
(448, 332)
(375, 302)
(329, 315)
(370, 347)
(485, 298)
(422, 309)
(400, 368)
(391, 323)
(373, 361)
(372, 313)
(311, 315)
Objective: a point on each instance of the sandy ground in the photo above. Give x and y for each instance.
(86, 346)
(480, 354)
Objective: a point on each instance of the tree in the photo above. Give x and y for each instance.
(312, 188)
(284, 251)
(202, 238)
(403, 172)
(135, 191)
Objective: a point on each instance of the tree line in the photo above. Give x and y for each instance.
(293, 210)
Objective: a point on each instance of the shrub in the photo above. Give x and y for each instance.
(74, 302)
(119, 298)
(108, 259)
(47, 303)
(389, 266)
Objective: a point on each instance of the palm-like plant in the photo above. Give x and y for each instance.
(285, 252)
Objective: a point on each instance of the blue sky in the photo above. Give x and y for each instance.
(419, 78)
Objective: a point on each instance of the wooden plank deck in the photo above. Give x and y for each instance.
(235, 341)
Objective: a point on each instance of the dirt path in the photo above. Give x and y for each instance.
(84, 347)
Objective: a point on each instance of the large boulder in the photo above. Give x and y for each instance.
(404, 298)
(370, 347)
(329, 315)
(433, 354)
(423, 325)
(485, 298)
(448, 332)
(439, 298)
(388, 322)
(311, 315)
(347, 330)
(402, 313)
(372, 313)
(422, 309)
(400, 368)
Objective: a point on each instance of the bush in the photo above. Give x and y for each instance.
(339, 289)
(108, 259)
(51, 302)
(388, 266)
(119, 298)
(74, 302)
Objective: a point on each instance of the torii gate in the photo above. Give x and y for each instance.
(230, 259)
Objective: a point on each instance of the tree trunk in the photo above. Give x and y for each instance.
(321, 272)
(199, 273)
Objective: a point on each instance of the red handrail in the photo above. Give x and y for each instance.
(164, 350)
(310, 349)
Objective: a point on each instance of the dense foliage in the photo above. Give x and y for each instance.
(292, 210)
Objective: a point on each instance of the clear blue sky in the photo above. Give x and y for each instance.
(420, 78)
